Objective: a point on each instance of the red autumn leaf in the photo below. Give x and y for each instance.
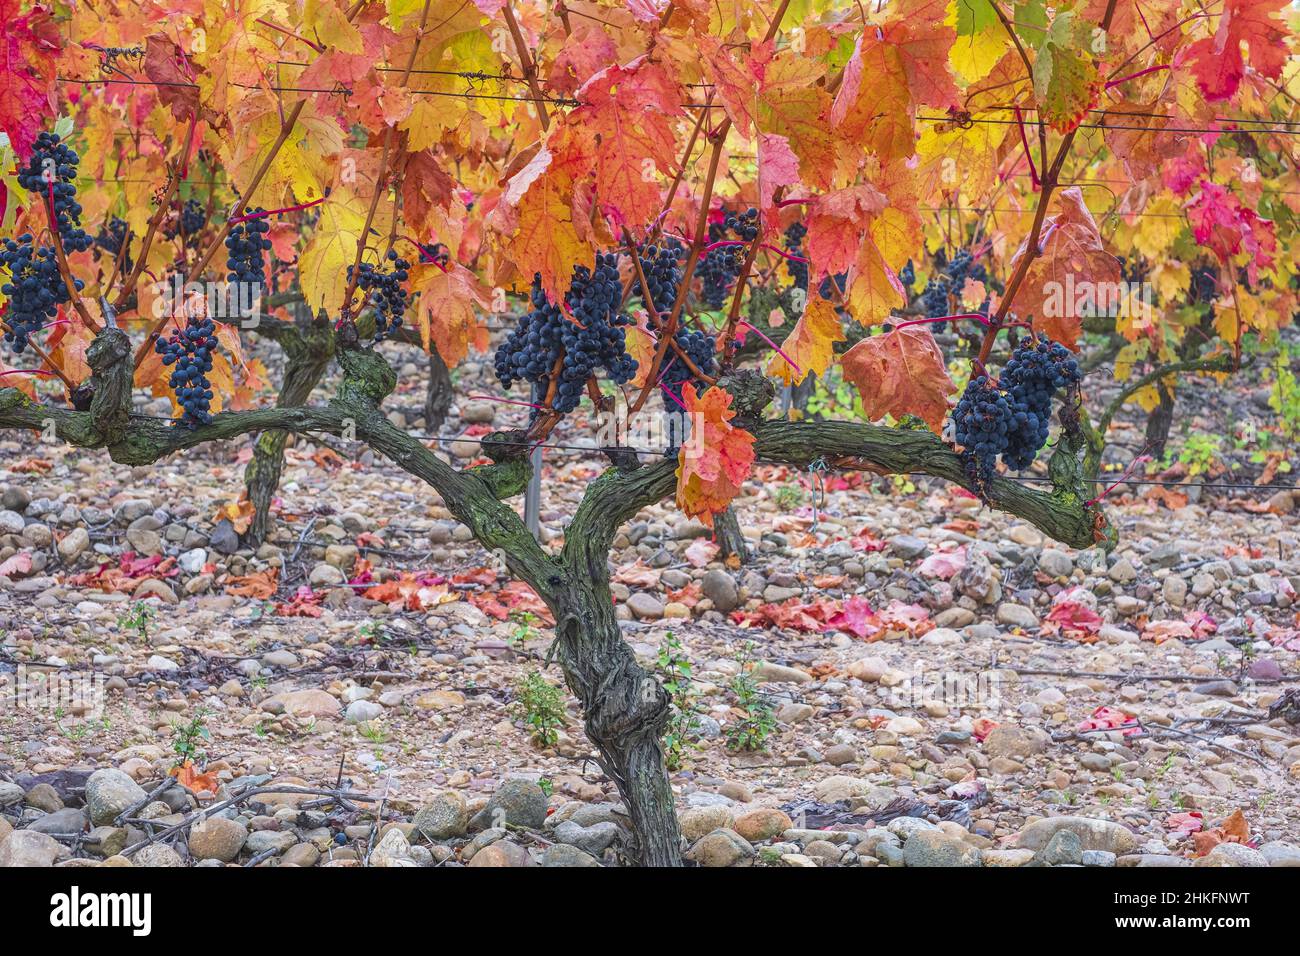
(1108, 718)
(304, 603)
(711, 468)
(1217, 61)
(18, 564)
(856, 617)
(632, 110)
(1074, 618)
(735, 82)
(777, 167)
(900, 373)
(484, 576)
(923, 38)
(700, 552)
(1225, 226)
(28, 48)
(943, 564)
(1185, 823)
(1235, 829)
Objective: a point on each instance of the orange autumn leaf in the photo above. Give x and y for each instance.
(712, 466)
(194, 781)
(445, 310)
(259, 585)
(901, 372)
(1072, 265)
(239, 513)
(1235, 829)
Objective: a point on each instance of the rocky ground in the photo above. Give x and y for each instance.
(946, 687)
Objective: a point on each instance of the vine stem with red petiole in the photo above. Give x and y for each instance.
(1122, 478)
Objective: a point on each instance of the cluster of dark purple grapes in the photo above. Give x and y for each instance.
(189, 223)
(935, 297)
(907, 275)
(1011, 417)
(719, 267)
(700, 347)
(244, 247)
(794, 237)
(661, 265)
(593, 338)
(942, 285)
(385, 293)
(52, 172)
(962, 267)
(35, 288)
(112, 234)
(191, 351)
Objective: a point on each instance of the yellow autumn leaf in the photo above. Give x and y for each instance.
(810, 344)
(331, 26)
(1161, 223)
(323, 265)
(973, 57)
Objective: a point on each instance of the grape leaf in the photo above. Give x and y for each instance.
(1226, 227)
(446, 309)
(631, 109)
(1072, 261)
(1217, 61)
(921, 35)
(1066, 82)
(810, 344)
(876, 115)
(537, 210)
(793, 104)
(711, 469)
(777, 167)
(28, 50)
(900, 373)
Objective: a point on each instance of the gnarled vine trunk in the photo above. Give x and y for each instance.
(625, 710)
(307, 355)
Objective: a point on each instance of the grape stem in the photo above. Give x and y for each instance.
(381, 179)
(248, 217)
(61, 259)
(779, 352)
(525, 63)
(44, 357)
(717, 137)
(1051, 176)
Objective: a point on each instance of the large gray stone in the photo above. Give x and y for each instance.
(936, 848)
(517, 802)
(1093, 834)
(28, 848)
(593, 839)
(443, 817)
(108, 793)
